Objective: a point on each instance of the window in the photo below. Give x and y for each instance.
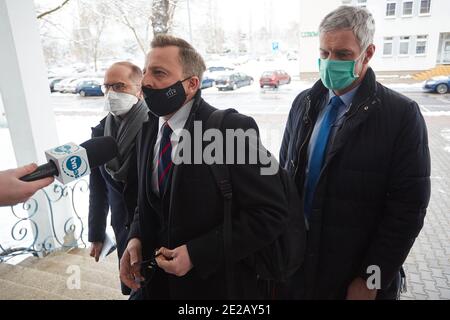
(407, 8)
(390, 9)
(425, 7)
(404, 46)
(388, 44)
(361, 3)
(421, 45)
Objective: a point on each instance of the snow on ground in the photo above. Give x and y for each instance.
(406, 87)
(436, 113)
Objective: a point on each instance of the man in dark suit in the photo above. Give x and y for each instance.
(359, 154)
(114, 185)
(180, 208)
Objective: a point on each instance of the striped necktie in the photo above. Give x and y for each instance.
(165, 159)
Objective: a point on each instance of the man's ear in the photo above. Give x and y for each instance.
(193, 84)
(369, 53)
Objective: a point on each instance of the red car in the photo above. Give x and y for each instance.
(274, 78)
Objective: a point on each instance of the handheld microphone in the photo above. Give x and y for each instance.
(70, 162)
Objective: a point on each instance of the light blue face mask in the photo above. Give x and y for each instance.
(338, 74)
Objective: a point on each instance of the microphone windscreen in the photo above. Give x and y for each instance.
(100, 150)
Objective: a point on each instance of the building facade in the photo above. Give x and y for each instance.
(411, 35)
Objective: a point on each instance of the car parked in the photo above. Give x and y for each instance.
(53, 82)
(214, 72)
(274, 78)
(207, 83)
(233, 81)
(292, 56)
(438, 84)
(68, 85)
(71, 87)
(219, 69)
(59, 87)
(91, 87)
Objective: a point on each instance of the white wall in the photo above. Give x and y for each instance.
(311, 14)
(432, 25)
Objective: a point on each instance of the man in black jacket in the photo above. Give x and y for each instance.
(359, 155)
(180, 208)
(114, 185)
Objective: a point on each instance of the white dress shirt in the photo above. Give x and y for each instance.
(176, 123)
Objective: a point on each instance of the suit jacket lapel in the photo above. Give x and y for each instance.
(149, 135)
(174, 172)
(365, 102)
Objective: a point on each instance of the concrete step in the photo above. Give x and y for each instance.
(85, 253)
(89, 272)
(55, 284)
(75, 259)
(112, 258)
(15, 291)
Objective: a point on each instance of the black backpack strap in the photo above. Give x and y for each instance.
(222, 177)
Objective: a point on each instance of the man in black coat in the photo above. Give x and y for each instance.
(181, 217)
(359, 154)
(114, 185)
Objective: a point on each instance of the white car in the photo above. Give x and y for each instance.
(60, 86)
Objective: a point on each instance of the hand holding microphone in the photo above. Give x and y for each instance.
(14, 191)
(71, 162)
(67, 163)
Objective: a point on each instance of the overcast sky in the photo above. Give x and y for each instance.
(233, 13)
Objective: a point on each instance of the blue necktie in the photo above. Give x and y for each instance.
(318, 152)
(165, 159)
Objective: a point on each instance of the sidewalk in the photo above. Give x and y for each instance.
(428, 265)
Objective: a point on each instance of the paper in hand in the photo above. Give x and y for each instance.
(109, 245)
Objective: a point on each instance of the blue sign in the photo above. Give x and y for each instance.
(275, 46)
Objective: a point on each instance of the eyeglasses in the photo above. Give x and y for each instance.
(117, 87)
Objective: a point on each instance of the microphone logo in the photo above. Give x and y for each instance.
(75, 167)
(65, 149)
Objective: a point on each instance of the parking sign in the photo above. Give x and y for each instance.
(275, 46)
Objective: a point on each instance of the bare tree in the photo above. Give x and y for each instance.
(162, 16)
(217, 34)
(55, 39)
(46, 13)
(139, 24)
(87, 35)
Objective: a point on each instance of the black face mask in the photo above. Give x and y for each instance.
(162, 102)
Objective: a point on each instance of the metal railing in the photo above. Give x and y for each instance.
(25, 231)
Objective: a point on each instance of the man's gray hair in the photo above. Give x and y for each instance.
(357, 19)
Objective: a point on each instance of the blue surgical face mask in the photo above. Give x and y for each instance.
(338, 74)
